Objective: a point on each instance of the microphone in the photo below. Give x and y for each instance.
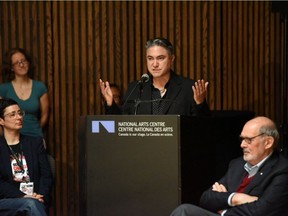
(144, 78)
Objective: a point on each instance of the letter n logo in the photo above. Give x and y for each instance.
(109, 126)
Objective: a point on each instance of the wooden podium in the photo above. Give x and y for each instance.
(148, 165)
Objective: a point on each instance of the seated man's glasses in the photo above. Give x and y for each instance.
(249, 139)
(14, 114)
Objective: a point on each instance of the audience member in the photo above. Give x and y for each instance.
(31, 95)
(164, 92)
(25, 175)
(254, 185)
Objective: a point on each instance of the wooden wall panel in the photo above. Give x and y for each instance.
(247, 46)
(236, 46)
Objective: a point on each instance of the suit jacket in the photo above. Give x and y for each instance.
(270, 185)
(38, 168)
(179, 97)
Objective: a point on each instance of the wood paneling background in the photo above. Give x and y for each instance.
(236, 46)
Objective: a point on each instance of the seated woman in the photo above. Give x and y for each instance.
(25, 174)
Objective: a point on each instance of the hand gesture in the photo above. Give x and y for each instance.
(106, 92)
(200, 91)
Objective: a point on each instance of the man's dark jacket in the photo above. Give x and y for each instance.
(179, 99)
(270, 185)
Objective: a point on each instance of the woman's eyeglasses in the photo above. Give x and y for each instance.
(20, 63)
(14, 114)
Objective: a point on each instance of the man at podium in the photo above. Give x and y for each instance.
(161, 91)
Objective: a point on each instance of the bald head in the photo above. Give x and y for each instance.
(262, 120)
(259, 138)
(264, 125)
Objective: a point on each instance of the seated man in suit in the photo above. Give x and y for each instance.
(25, 175)
(163, 92)
(255, 184)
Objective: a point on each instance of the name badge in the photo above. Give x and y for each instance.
(27, 188)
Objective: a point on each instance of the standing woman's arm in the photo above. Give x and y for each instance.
(44, 106)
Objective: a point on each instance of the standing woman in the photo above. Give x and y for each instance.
(31, 95)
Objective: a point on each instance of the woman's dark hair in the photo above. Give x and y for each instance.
(7, 64)
(4, 103)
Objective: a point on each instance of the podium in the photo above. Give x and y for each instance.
(148, 165)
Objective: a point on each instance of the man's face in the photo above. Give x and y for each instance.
(253, 144)
(159, 62)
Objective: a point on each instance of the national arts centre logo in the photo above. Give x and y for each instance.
(109, 126)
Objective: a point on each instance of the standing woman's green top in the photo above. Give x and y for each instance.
(31, 106)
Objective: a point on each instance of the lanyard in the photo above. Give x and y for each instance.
(19, 162)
